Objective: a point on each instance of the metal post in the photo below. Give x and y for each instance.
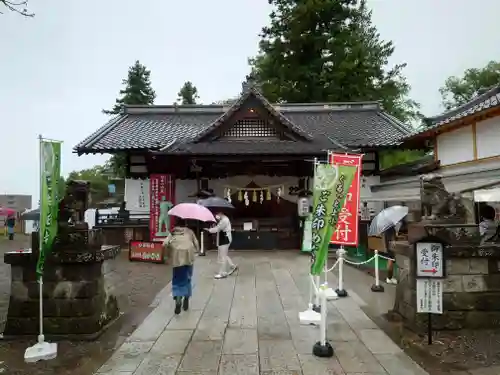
(323, 316)
(322, 348)
(377, 287)
(317, 302)
(41, 337)
(341, 292)
(429, 329)
(202, 242)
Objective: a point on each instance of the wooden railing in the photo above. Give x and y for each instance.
(120, 219)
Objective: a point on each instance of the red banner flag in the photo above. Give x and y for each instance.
(346, 233)
(162, 199)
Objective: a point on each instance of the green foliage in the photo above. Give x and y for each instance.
(137, 91)
(460, 90)
(20, 7)
(391, 158)
(188, 94)
(327, 51)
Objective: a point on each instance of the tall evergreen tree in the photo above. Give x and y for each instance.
(137, 90)
(188, 94)
(326, 51)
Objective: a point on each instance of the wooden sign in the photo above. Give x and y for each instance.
(146, 251)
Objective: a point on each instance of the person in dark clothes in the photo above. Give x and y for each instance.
(389, 238)
(10, 224)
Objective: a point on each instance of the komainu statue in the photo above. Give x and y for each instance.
(73, 232)
(437, 202)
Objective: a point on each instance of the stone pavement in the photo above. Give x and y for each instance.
(248, 324)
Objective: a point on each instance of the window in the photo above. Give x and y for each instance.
(251, 128)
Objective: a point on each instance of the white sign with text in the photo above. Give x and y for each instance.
(430, 296)
(429, 260)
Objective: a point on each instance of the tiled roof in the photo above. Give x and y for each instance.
(487, 100)
(179, 129)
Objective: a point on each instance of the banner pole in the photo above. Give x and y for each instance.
(42, 350)
(312, 315)
(317, 279)
(41, 337)
(330, 293)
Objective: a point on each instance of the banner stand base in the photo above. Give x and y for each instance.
(341, 292)
(377, 288)
(330, 294)
(322, 351)
(42, 351)
(309, 317)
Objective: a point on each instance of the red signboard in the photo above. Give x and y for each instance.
(346, 233)
(162, 199)
(146, 251)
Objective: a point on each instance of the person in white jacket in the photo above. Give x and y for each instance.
(224, 238)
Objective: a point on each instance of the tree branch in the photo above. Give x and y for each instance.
(20, 7)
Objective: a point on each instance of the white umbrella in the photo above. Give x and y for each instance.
(386, 219)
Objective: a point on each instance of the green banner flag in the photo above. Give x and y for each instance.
(331, 185)
(50, 173)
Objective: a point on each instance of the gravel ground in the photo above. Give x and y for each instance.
(141, 283)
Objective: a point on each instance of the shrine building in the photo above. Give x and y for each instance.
(257, 154)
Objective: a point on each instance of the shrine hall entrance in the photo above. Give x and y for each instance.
(263, 219)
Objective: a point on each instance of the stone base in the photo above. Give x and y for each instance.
(471, 289)
(323, 351)
(377, 288)
(78, 296)
(341, 293)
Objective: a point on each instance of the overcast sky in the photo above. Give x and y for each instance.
(59, 69)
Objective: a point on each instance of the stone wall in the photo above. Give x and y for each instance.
(79, 297)
(471, 290)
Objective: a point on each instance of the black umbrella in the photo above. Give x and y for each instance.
(215, 202)
(31, 215)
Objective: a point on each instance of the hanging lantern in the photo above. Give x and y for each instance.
(268, 194)
(228, 195)
(261, 196)
(240, 196)
(245, 197)
(254, 196)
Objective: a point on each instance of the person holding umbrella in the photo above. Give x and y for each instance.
(388, 223)
(181, 246)
(224, 233)
(224, 238)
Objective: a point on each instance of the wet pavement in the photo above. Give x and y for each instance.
(225, 332)
(141, 286)
(248, 324)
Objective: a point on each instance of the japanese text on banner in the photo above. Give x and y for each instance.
(50, 175)
(331, 184)
(346, 231)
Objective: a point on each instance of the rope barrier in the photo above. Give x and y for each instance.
(359, 263)
(387, 258)
(335, 265)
